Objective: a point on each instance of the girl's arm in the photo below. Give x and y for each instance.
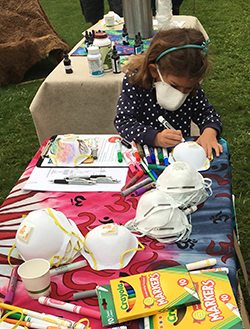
(130, 121)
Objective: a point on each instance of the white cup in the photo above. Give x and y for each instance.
(35, 274)
(109, 19)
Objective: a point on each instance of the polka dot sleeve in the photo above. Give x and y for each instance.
(204, 114)
(133, 116)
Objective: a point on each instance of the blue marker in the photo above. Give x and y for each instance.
(165, 156)
(152, 155)
(154, 174)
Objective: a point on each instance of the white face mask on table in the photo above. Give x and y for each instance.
(167, 96)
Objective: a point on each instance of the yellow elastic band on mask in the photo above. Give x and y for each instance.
(57, 223)
(8, 314)
(141, 247)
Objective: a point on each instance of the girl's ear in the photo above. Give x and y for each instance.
(153, 70)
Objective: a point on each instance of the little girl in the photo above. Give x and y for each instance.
(165, 81)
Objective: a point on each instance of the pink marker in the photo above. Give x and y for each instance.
(133, 159)
(69, 307)
(11, 286)
(135, 151)
(129, 162)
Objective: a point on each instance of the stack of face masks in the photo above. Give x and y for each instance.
(49, 234)
(162, 212)
(159, 217)
(184, 184)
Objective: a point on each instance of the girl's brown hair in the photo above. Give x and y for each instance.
(188, 62)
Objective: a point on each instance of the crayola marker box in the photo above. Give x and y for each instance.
(218, 308)
(145, 294)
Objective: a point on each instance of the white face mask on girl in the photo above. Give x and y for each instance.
(167, 96)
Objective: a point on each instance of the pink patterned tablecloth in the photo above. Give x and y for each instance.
(211, 236)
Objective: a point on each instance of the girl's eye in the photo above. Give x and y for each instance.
(174, 86)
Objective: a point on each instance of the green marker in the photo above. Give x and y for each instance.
(118, 149)
(156, 167)
(161, 158)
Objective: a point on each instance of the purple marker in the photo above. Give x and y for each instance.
(144, 188)
(11, 286)
(147, 153)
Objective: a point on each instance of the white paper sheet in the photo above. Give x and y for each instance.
(40, 179)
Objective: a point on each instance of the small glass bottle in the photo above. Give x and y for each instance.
(125, 36)
(67, 62)
(115, 59)
(137, 46)
(95, 61)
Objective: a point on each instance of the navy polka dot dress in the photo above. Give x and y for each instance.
(138, 112)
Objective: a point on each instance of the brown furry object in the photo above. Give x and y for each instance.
(26, 37)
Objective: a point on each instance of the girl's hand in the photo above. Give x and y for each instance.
(209, 142)
(168, 138)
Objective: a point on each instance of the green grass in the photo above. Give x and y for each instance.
(227, 88)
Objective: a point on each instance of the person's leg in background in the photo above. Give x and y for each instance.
(92, 10)
(116, 6)
(176, 6)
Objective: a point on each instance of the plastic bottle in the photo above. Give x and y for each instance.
(95, 61)
(67, 62)
(104, 43)
(125, 36)
(115, 59)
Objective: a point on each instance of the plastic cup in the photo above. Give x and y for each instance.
(109, 19)
(35, 274)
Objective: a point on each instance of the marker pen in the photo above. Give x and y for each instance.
(69, 307)
(151, 150)
(129, 162)
(94, 148)
(42, 316)
(118, 150)
(167, 125)
(125, 143)
(26, 318)
(161, 158)
(133, 180)
(144, 188)
(33, 325)
(219, 269)
(201, 264)
(151, 173)
(132, 158)
(136, 186)
(135, 151)
(11, 286)
(140, 150)
(157, 161)
(147, 153)
(165, 156)
(67, 268)
(156, 167)
(87, 293)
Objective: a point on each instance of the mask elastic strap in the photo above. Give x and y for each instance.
(9, 254)
(95, 263)
(52, 156)
(57, 223)
(141, 247)
(79, 156)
